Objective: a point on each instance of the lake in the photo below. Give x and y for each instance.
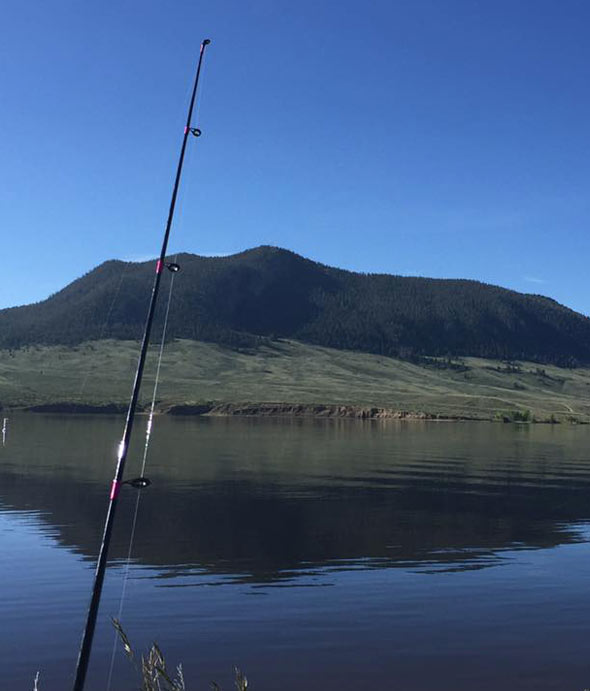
(311, 554)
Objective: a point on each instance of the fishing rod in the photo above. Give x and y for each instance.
(86, 645)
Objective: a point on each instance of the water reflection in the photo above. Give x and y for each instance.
(356, 548)
(273, 502)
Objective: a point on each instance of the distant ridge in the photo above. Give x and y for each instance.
(268, 292)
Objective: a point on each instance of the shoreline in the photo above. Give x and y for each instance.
(286, 410)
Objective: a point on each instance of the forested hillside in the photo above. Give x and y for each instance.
(268, 292)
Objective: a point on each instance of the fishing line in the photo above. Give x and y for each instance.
(123, 448)
(148, 433)
(188, 186)
(198, 103)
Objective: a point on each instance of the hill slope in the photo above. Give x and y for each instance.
(289, 372)
(268, 292)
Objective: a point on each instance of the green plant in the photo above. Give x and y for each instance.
(514, 416)
(522, 416)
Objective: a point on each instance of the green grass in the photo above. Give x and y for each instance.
(290, 372)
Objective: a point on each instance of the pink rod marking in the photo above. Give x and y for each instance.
(159, 266)
(115, 489)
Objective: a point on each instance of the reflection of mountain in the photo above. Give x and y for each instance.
(233, 520)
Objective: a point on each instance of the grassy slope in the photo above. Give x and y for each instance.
(289, 372)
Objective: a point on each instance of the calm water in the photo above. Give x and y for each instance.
(314, 555)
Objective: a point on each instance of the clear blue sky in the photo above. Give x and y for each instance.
(427, 137)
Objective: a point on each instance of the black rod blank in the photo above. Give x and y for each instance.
(86, 645)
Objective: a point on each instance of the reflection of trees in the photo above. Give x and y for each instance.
(263, 533)
(264, 499)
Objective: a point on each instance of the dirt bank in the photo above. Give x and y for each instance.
(303, 410)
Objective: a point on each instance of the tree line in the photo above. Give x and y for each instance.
(267, 293)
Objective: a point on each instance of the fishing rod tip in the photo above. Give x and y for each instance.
(207, 41)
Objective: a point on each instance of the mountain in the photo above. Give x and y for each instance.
(268, 292)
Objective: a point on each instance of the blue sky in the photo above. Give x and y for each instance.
(421, 137)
